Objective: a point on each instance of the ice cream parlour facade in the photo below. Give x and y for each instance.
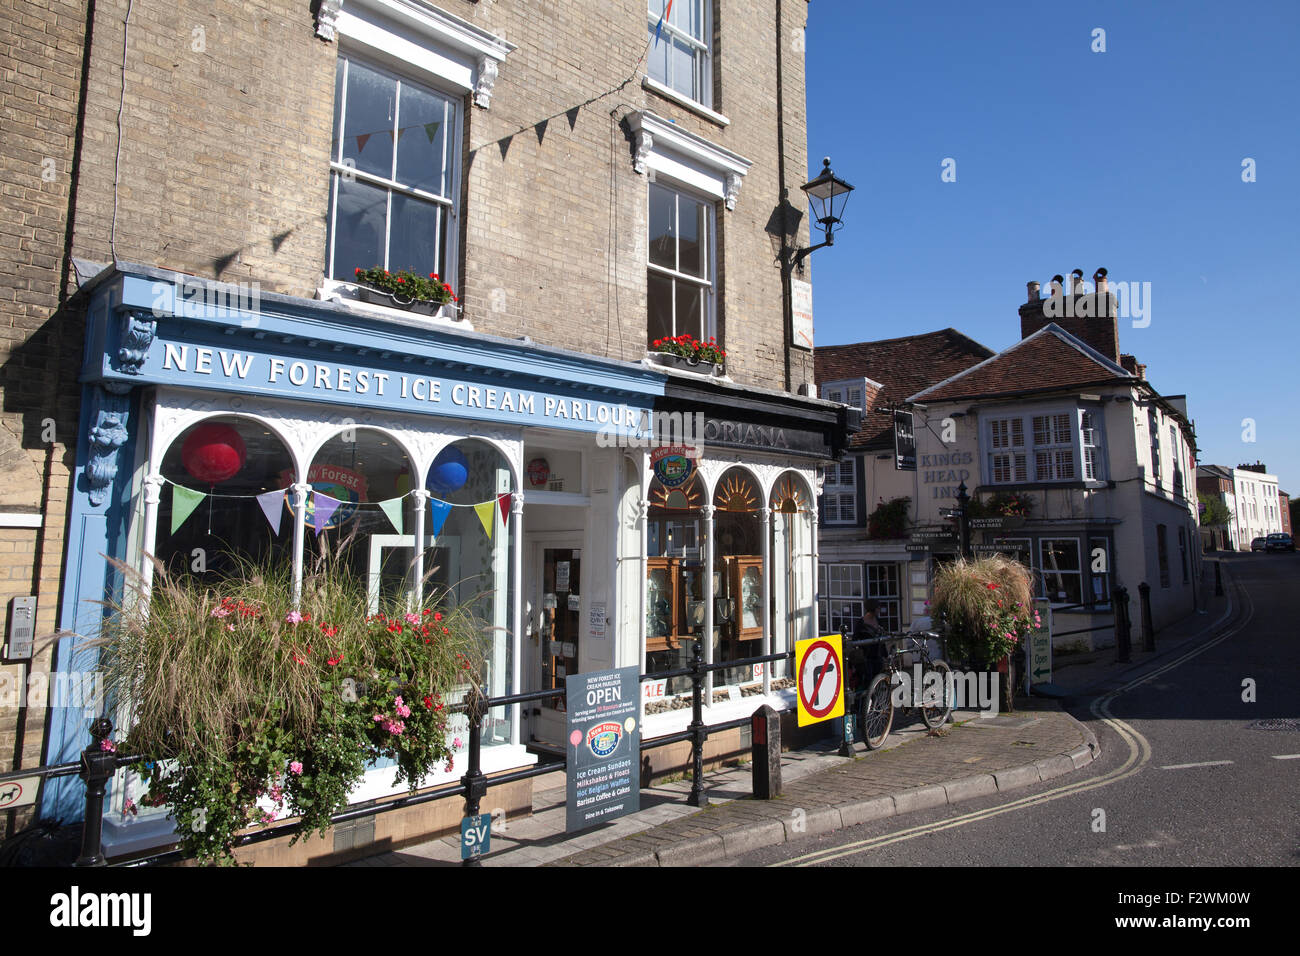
(515, 477)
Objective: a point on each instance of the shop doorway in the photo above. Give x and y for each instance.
(554, 587)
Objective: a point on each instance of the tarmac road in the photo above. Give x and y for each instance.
(1187, 777)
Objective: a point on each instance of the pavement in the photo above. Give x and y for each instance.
(975, 756)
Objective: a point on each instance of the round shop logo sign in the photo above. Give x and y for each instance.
(539, 470)
(673, 466)
(342, 484)
(603, 738)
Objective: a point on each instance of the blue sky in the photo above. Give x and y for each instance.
(1068, 158)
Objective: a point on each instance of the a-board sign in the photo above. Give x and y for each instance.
(1038, 647)
(603, 768)
(819, 666)
(475, 835)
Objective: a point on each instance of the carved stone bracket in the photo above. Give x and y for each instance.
(327, 15)
(645, 144)
(109, 414)
(733, 189)
(138, 331)
(487, 79)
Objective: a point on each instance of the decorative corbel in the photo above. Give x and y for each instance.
(109, 415)
(644, 144)
(487, 79)
(138, 331)
(327, 15)
(733, 189)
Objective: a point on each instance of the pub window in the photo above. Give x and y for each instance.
(737, 572)
(882, 584)
(1062, 574)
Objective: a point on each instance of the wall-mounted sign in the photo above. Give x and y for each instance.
(802, 308)
(339, 483)
(942, 473)
(539, 470)
(904, 442)
(673, 465)
(603, 768)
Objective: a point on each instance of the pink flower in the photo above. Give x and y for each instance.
(378, 718)
(295, 767)
(293, 617)
(457, 743)
(412, 619)
(220, 611)
(107, 746)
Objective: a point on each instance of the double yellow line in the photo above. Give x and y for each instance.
(1139, 752)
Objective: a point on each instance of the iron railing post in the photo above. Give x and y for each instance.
(697, 798)
(1148, 631)
(475, 782)
(97, 768)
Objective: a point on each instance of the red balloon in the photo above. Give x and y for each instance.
(213, 453)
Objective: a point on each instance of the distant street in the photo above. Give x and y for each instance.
(1188, 774)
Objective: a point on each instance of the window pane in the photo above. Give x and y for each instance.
(368, 125)
(339, 66)
(420, 141)
(663, 247)
(657, 65)
(659, 303)
(358, 227)
(416, 236)
(683, 70)
(690, 309)
(693, 233)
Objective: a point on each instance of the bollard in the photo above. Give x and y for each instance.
(97, 768)
(697, 798)
(474, 780)
(1148, 632)
(1123, 627)
(1218, 579)
(766, 753)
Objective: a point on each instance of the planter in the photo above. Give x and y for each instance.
(394, 301)
(682, 363)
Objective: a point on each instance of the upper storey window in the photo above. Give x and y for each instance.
(680, 34)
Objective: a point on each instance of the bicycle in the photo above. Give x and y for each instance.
(874, 709)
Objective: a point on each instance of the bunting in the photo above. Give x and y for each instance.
(393, 509)
(486, 515)
(440, 511)
(322, 507)
(504, 502)
(184, 501)
(272, 507)
(660, 25)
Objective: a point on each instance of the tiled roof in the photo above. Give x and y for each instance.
(902, 366)
(1048, 360)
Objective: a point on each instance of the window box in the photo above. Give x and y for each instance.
(418, 306)
(684, 364)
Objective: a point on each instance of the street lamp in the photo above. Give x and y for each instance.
(828, 195)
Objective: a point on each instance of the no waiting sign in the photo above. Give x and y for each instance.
(819, 662)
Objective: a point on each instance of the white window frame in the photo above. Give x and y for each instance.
(849, 391)
(1043, 570)
(890, 621)
(836, 489)
(840, 596)
(702, 46)
(709, 250)
(1012, 453)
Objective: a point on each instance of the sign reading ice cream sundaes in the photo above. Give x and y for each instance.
(359, 385)
(604, 758)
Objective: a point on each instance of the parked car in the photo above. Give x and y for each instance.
(1259, 544)
(1280, 541)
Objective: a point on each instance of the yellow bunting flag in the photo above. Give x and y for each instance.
(486, 512)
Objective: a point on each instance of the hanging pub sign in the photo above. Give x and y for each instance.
(904, 442)
(673, 465)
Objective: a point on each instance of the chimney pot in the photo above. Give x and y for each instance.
(1033, 291)
(1076, 282)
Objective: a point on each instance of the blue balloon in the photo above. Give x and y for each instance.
(450, 471)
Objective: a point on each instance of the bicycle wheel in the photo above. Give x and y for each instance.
(936, 703)
(876, 712)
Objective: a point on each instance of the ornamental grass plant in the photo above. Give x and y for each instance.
(250, 707)
(986, 606)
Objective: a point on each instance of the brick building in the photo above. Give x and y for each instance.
(1076, 464)
(190, 188)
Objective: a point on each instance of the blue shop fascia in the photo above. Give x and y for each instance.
(219, 422)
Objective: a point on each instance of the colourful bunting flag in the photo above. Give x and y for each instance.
(504, 502)
(323, 506)
(362, 140)
(184, 501)
(440, 511)
(660, 25)
(484, 510)
(393, 509)
(272, 503)
(431, 130)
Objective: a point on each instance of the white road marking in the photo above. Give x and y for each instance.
(1207, 763)
(1286, 756)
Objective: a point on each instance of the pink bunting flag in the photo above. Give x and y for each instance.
(272, 503)
(323, 507)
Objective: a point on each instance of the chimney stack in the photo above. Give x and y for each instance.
(1091, 318)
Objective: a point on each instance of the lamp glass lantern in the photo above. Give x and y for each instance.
(828, 195)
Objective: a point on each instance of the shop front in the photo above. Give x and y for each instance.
(441, 465)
